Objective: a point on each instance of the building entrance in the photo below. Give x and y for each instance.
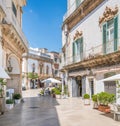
(79, 83)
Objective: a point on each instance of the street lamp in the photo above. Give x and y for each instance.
(9, 68)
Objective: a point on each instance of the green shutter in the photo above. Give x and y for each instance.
(115, 33)
(73, 51)
(81, 48)
(78, 2)
(104, 38)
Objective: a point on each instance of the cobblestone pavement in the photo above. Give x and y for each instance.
(47, 111)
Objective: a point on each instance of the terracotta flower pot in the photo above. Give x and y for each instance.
(104, 108)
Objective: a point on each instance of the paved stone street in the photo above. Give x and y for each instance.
(47, 111)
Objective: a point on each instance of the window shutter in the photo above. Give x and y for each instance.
(104, 38)
(81, 48)
(115, 33)
(81, 45)
(73, 51)
(78, 2)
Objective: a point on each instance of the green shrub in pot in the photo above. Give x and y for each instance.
(17, 96)
(86, 96)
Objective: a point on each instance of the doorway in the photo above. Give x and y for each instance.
(91, 84)
(79, 83)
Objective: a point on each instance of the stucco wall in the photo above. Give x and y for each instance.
(92, 33)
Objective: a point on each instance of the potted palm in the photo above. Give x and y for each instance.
(86, 99)
(17, 98)
(104, 99)
(95, 101)
(9, 104)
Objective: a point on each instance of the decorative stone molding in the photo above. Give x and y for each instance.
(108, 14)
(77, 35)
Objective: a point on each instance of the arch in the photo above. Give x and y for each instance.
(14, 62)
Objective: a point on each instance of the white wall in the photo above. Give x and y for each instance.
(30, 62)
(92, 33)
(99, 83)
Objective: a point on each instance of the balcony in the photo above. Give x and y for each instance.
(94, 57)
(11, 19)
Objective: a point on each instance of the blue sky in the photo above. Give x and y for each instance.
(42, 21)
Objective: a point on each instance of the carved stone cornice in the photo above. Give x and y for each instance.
(9, 33)
(77, 35)
(86, 7)
(108, 14)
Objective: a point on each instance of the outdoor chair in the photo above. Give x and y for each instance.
(116, 112)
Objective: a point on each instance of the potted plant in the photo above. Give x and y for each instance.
(42, 92)
(86, 99)
(2, 97)
(104, 99)
(53, 92)
(17, 98)
(95, 101)
(9, 103)
(57, 93)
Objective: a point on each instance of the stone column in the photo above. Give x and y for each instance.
(63, 77)
(0, 46)
(25, 70)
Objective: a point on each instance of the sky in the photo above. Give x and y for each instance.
(42, 22)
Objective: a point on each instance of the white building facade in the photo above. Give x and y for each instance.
(91, 46)
(55, 56)
(36, 61)
(12, 41)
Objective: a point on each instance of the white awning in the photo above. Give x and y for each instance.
(51, 80)
(112, 78)
(3, 74)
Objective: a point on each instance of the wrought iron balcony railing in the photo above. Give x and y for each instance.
(91, 53)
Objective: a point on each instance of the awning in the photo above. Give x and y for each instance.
(112, 78)
(3, 74)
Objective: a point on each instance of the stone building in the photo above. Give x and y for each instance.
(12, 41)
(36, 61)
(90, 45)
(55, 56)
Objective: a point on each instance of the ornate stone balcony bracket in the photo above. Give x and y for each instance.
(77, 35)
(108, 14)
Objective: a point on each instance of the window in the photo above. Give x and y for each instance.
(14, 9)
(41, 68)
(78, 50)
(47, 69)
(78, 2)
(33, 67)
(56, 72)
(110, 36)
(55, 59)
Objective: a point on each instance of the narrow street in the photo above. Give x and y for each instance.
(47, 111)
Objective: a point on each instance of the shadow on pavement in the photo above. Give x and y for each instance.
(39, 111)
(110, 115)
